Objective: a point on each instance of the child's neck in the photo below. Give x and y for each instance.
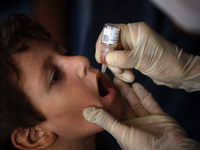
(84, 144)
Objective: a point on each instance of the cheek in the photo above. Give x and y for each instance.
(85, 95)
(68, 118)
(114, 108)
(69, 122)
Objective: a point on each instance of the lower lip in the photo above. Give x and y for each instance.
(112, 93)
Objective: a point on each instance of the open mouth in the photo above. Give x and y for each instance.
(103, 87)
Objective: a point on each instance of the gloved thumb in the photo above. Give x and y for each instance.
(128, 137)
(106, 121)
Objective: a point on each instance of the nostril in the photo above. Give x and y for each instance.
(86, 69)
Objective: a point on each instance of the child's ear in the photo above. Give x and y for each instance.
(32, 138)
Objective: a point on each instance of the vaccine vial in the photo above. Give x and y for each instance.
(109, 41)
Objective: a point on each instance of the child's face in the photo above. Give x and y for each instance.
(62, 86)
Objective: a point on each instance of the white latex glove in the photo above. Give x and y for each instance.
(142, 48)
(152, 128)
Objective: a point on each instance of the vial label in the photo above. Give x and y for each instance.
(110, 36)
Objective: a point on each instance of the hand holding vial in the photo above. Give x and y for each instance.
(142, 48)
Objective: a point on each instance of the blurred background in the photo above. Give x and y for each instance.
(78, 23)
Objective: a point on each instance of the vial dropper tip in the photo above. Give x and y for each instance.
(103, 68)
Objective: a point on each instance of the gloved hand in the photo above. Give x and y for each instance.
(151, 129)
(142, 48)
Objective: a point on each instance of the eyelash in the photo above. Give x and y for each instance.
(55, 77)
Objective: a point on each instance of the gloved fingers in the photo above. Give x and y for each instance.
(99, 47)
(115, 70)
(121, 59)
(128, 113)
(131, 98)
(125, 75)
(104, 120)
(147, 100)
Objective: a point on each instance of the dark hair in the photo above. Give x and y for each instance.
(15, 108)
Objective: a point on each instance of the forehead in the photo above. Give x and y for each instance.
(37, 50)
(36, 47)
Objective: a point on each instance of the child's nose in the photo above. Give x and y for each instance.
(80, 64)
